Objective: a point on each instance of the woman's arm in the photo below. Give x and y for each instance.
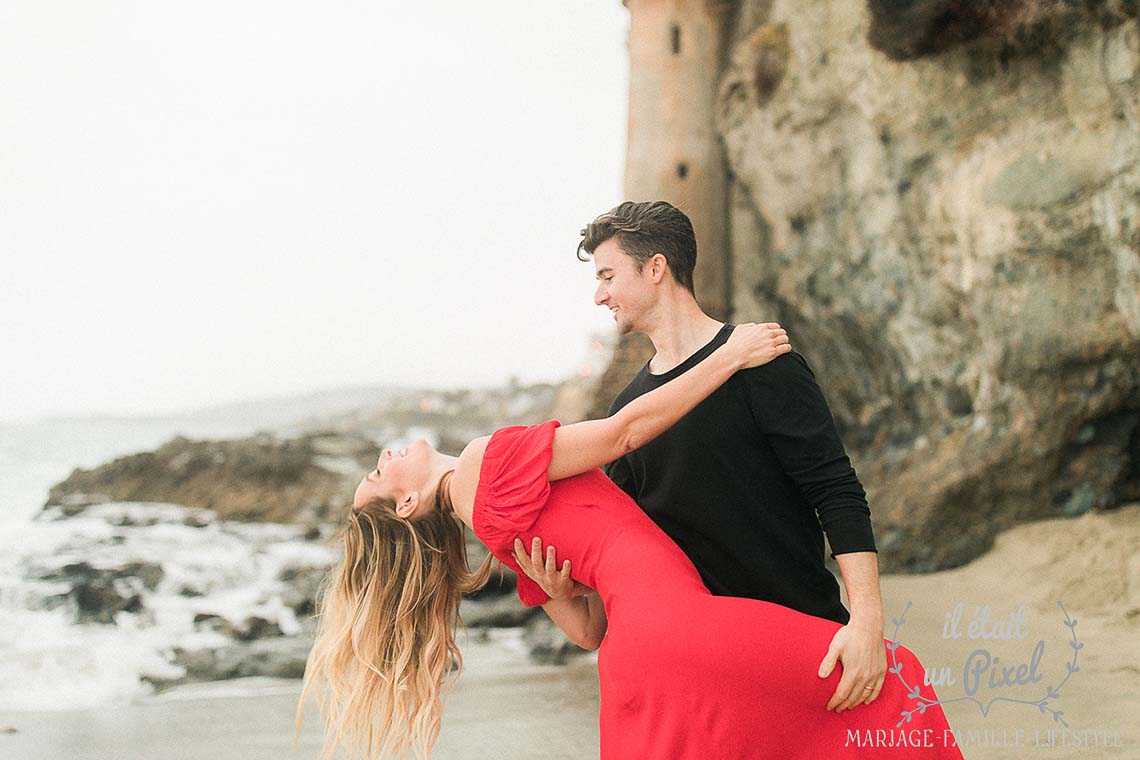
(582, 446)
(582, 619)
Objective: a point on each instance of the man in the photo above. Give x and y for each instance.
(749, 480)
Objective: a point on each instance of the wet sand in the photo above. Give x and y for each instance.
(503, 707)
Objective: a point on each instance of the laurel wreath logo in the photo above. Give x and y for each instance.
(923, 702)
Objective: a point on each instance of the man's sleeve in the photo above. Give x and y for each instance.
(790, 411)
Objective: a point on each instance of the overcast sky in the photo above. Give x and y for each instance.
(203, 202)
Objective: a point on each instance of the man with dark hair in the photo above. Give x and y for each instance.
(748, 481)
(647, 229)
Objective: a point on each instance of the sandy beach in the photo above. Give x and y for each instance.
(502, 707)
(505, 707)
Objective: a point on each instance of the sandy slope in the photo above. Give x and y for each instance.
(1092, 565)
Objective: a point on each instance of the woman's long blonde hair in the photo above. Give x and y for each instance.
(385, 637)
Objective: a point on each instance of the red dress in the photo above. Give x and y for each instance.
(684, 674)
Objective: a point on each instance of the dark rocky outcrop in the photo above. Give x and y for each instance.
(301, 587)
(97, 593)
(909, 29)
(249, 628)
(283, 657)
(304, 479)
(499, 612)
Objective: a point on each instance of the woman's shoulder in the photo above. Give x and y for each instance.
(474, 450)
(471, 461)
(507, 471)
(506, 448)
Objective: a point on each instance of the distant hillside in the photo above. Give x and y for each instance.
(310, 451)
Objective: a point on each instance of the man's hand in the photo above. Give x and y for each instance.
(864, 658)
(556, 583)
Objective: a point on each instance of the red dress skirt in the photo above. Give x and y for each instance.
(685, 674)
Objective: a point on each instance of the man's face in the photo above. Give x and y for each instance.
(627, 293)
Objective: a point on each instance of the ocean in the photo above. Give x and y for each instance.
(47, 660)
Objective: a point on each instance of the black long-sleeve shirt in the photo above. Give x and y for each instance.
(746, 480)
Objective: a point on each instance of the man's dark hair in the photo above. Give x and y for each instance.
(644, 229)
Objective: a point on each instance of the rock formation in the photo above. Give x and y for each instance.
(305, 479)
(941, 202)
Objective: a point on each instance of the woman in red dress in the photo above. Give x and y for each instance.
(683, 674)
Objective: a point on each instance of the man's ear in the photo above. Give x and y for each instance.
(406, 505)
(658, 266)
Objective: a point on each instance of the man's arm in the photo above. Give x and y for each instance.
(789, 408)
(861, 580)
(859, 644)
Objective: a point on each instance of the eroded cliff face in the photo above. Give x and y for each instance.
(953, 241)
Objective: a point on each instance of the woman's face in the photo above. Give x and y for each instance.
(399, 475)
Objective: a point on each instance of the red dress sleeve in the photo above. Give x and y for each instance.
(512, 491)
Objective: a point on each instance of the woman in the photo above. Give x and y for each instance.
(683, 674)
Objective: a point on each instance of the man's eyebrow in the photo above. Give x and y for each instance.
(602, 271)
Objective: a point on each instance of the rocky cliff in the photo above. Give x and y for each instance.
(941, 202)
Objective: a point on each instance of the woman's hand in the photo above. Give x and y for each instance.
(755, 344)
(556, 583)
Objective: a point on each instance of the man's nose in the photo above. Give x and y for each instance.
(600, 296)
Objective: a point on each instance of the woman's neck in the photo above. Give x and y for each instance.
(445, 500)
(464, 482)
